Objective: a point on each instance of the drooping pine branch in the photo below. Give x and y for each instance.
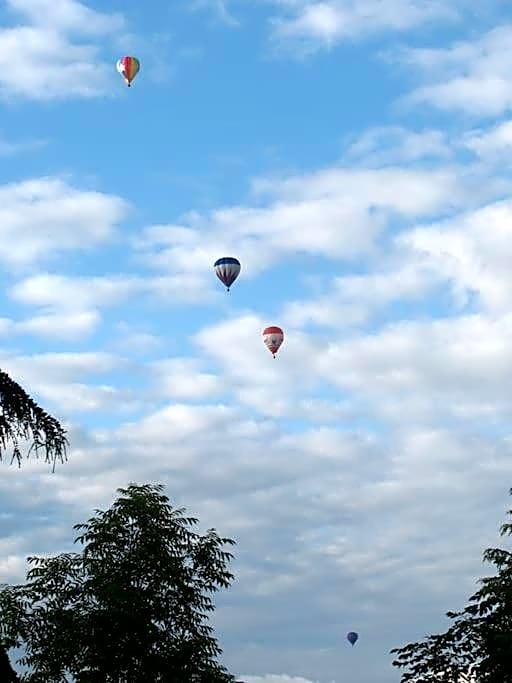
(22, 419)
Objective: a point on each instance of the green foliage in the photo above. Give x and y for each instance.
(131, 607)
(480, 638)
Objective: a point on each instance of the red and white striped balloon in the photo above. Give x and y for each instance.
(128, 67)
(273, 338)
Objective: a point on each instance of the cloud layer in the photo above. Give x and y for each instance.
(54, 51)
(312, 24)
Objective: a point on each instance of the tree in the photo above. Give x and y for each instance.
(479, 642)
(22, 420)
(131, 607)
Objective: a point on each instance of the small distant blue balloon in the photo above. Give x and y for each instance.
(352, 638)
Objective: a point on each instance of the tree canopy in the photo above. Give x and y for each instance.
(131, 607)
(478, 644)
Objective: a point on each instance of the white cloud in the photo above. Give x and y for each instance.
(64, 367)
(409, 192)
(218, 7)
(84, 293)
(313, 24)
(253, 375)
(314, 508)
(55, 378)
(493, 144)
(337, 213)
(427, 369)
(314, 517)
(11, 567)
(67, 15)
(6, 326)
(71, 306)
(340, 213)
(472, 76)
(54, 54)
(133, 339)
(472, 252)
(424, 370)
(182, 378)
(467, 256)
(46, 216)
(57, 326)
(397, 145)
(82, 398)
(352, 300)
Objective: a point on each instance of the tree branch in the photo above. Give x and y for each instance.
(21, 418)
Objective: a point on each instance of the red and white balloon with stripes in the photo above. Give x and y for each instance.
(273, 338)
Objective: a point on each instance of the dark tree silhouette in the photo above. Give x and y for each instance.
(132, 607)
(23, 421)
(479, 640)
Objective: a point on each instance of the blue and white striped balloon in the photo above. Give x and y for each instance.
(227, 270)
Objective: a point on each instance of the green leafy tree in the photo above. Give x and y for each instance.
(478, 641)
(131, 607)
(24, 422)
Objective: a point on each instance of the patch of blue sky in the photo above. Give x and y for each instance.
(210, 128)
(266, 292)
(103, 420)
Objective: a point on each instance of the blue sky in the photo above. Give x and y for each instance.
(355, 156)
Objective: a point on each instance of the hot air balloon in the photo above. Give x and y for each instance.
(128, 67)
(227, 270)
(273, 338)
(352, 638)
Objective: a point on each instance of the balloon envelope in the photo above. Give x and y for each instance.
(227, 270)
(273, 338)
(352, 638)
(128, 67)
